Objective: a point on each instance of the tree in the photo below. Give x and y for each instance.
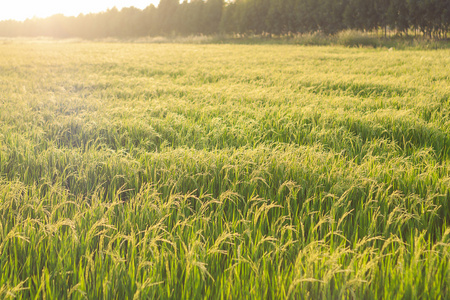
(149, 20)
(381, 8)
(275, 21)
(397, 15)
(212, 14)
(329, 16)
(166, 15)
(229, 21)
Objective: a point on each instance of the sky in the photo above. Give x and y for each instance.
(26, 9)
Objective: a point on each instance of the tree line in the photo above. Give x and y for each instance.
(208, 17)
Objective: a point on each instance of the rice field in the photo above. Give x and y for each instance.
(171, 171)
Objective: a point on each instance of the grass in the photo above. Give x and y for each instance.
(223, 171)
(346, 38)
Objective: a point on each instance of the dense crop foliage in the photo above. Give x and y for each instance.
(183, 171)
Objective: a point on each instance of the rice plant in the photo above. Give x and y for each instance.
(137, 171)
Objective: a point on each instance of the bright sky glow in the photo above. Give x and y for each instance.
(27, 9)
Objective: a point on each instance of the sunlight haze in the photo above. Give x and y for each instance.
(22, 10)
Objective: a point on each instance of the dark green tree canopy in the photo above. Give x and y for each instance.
(193, 17)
